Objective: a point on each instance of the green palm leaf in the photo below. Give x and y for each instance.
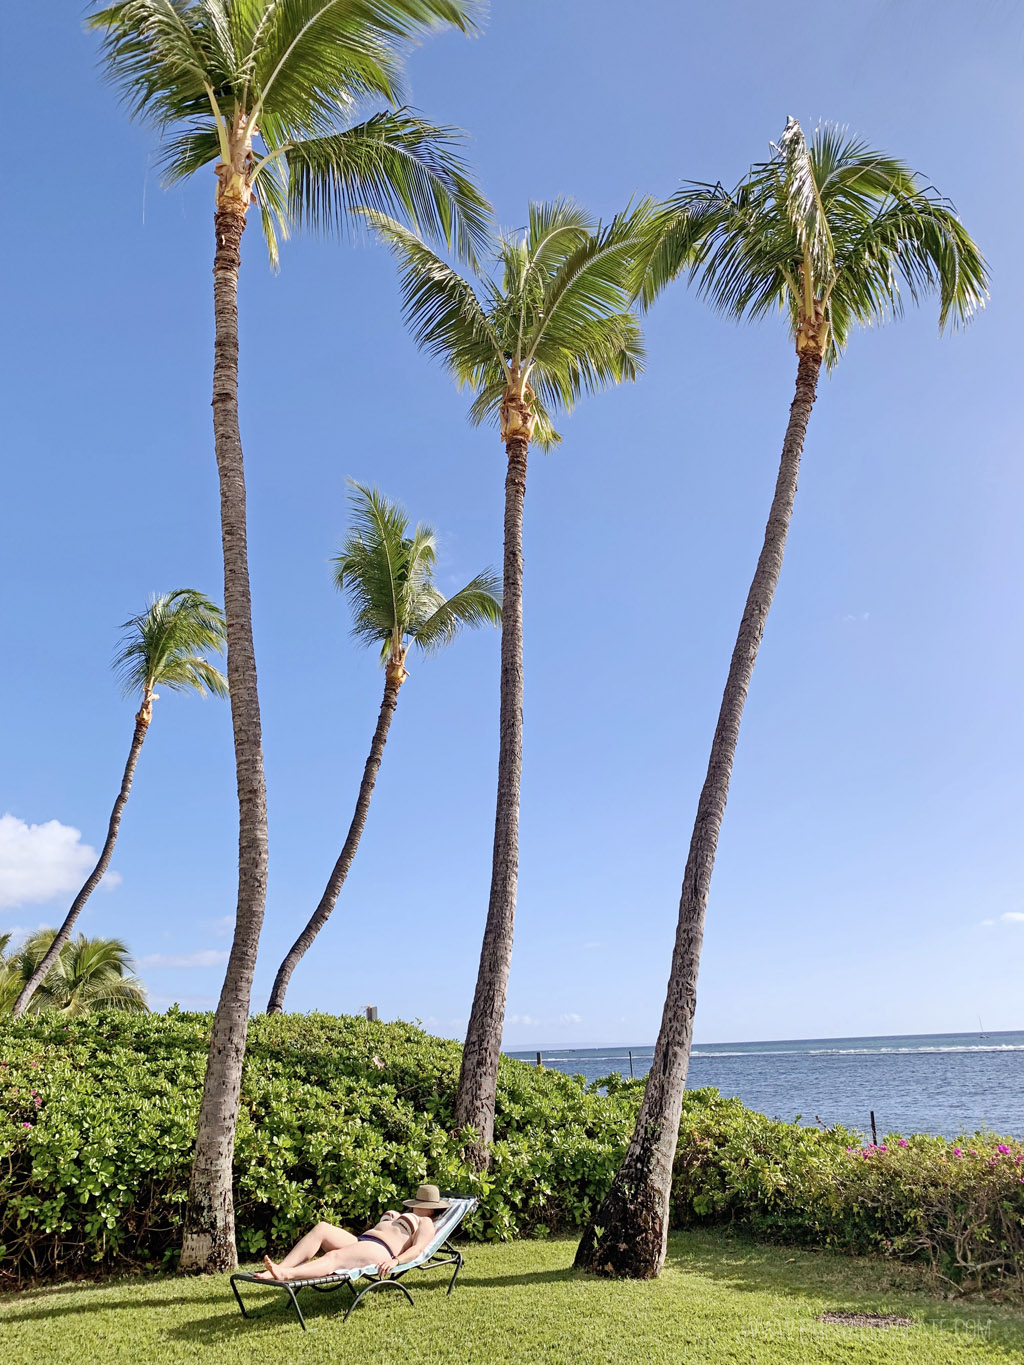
(166, 646)
(386, 571)
(829, 224)
(271, 89)
(550, 322)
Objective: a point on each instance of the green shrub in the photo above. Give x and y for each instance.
(341, 1117)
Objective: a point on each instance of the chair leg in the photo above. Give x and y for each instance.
(455, 1274)
(238, 1297)
(377, 1284)
(295, 1304)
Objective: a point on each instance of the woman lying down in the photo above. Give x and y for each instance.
(397, 1240)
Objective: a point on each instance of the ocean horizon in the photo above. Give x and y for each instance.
(943, 1083)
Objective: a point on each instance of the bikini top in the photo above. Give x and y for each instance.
(408, 1222)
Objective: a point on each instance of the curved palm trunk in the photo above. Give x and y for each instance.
(209, 1236)
(478, 1077)
(628, 1235)
(329, 899)
(142, 719)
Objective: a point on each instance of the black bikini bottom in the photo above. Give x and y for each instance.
(369, 1237)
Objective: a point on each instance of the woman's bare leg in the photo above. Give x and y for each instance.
(345, 1258)
(324, 1237)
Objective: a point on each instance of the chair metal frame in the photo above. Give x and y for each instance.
(446, 1254)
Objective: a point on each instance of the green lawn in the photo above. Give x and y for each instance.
(719, 1300)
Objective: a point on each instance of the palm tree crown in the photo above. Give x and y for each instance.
(829, 232)
(551, 323)
(387, 575)
(264, 89)
(166, 646)
(88, 974)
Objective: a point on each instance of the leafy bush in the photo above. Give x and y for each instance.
(957, 1206)
(341, 1117)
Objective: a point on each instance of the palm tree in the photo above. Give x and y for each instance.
(165, 646)
(827, 233)
(87, 974)
(263, 90)
(388, 575)
(557, 324)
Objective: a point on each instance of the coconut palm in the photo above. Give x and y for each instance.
(554, 323)
(388, 576)
(832, 234)
(164, 646)
(86, 974)
(265, 92)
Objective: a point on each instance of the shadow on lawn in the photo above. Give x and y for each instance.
(845, 1284)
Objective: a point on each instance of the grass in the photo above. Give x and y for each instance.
(720, 1300)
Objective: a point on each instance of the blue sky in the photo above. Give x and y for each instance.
(869, 878)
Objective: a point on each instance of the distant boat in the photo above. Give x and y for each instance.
(981, 1028)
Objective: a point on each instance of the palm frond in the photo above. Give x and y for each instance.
(477, 604)
(386, 571)
(553, 324)
(398, 165)
(163, 56)
(854, 225)
(168, 644)
(441, 309)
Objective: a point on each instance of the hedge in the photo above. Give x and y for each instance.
(341, 1117)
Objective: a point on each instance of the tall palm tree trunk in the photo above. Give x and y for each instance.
(629, 1233)
(142, 720)
(336, 881)
(209, 1235)
(478, 1077)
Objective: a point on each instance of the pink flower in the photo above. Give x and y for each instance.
(26, 1125)
(972, 1153)
(33, 1063)
(1003, 1148)
(903, 1143)
(957, 1151)
(38, 1101)
(883, 1148)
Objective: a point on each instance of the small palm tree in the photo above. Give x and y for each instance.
(165, 646)
(553, 325)
(264, 91)
(87, 974)
(388, 576)
(828, 233)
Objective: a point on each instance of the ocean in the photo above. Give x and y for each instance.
(943, 1083)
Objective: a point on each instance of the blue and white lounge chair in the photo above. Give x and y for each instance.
(439, 1252)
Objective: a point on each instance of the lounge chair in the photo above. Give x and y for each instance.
(439, 1252)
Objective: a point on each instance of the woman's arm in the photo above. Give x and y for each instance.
(416, 1247)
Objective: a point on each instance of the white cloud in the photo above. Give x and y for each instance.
(857, 616)
(38, 863)
(570, 1019)
(1012, 917)
(223, 927)
(205, 957)
(987, 923)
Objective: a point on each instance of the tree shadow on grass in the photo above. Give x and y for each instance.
(527, 1280)
(49, 1310)
(847, 1284)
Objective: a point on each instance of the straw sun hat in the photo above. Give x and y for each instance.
(427, 1197)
